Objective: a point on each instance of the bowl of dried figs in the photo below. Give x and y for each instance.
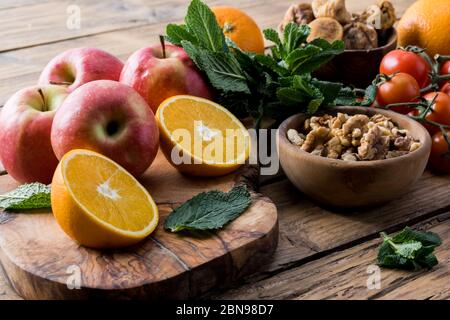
(353, 156)
(368, 36)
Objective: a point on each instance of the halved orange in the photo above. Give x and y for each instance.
(99, 204)
(200, 137)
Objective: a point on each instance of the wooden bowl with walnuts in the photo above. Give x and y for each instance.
(367, 36)
(353, 156)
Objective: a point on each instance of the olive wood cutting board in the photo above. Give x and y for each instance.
(41, 262)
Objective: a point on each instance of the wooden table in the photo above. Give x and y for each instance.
(321, 254)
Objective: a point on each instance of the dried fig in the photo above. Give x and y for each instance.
(299, 13)
(326, 28)
(380, 16)
(332, 9)
(360, 36)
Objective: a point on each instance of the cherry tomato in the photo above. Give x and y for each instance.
(400, 88)
(446, 88)
(445, 68)
(440, 157)
(440, 111)
(407, 62)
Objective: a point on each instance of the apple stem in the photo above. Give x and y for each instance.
(163, 45)
(45, 108)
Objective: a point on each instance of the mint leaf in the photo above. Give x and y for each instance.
(26, 197)
(223, 70)
(327, 53)
(409, 249)
(426, 238)
(314, 105)
(294, 36)
(202, 22)
(297, 58)
(291, 96)
(177, 33)
(345, 97)
(209, 210)
(272, 35)
(329, 90)
(270, 63)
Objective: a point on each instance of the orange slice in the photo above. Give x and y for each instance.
(200, 137)
(99, 204)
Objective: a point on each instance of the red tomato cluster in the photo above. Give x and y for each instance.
(406, 74)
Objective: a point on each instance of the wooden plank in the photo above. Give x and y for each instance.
(47, 22)
(308, 231)
(21, 68)
(344, 275)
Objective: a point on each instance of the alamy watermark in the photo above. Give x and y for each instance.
(374, 279)
(210, 145)
(73, 21)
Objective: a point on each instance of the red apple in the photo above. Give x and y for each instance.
(76, 67)
(110, 118)
(159, 74)
(25, 126)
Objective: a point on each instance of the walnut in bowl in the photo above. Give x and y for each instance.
(353, 137)
(337, 180)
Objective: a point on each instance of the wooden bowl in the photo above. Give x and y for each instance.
(341, 183)
(359, 67)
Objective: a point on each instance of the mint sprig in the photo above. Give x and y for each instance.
(248, 84)
(409, 249)
(26, 197)
(209, 210)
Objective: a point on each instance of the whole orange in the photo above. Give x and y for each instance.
(240, 28)
(426, 24)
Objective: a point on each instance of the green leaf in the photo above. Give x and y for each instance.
(345, 97)
(26, 197)
(329, 90)
(297, 58)
(370, 95)
(409, 249)
(272, 64)
(291, 96)
(426, 238)
(209, 210)
(177, 33)
(202, 22)
(314, 105)
(294, 36)
(223, 70)
(272, 35)
(329, 51)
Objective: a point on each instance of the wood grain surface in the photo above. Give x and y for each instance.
(40, 260)
(344, 275)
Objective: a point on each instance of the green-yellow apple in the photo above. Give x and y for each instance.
(160, 72)
(25, 126)
(110, 118)
(75, 67)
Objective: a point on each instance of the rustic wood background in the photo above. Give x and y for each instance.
(321, 254)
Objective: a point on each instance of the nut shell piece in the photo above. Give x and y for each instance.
(360, 36)
(299, 13)
(381, 16)
(332, 9)
(326, 28)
